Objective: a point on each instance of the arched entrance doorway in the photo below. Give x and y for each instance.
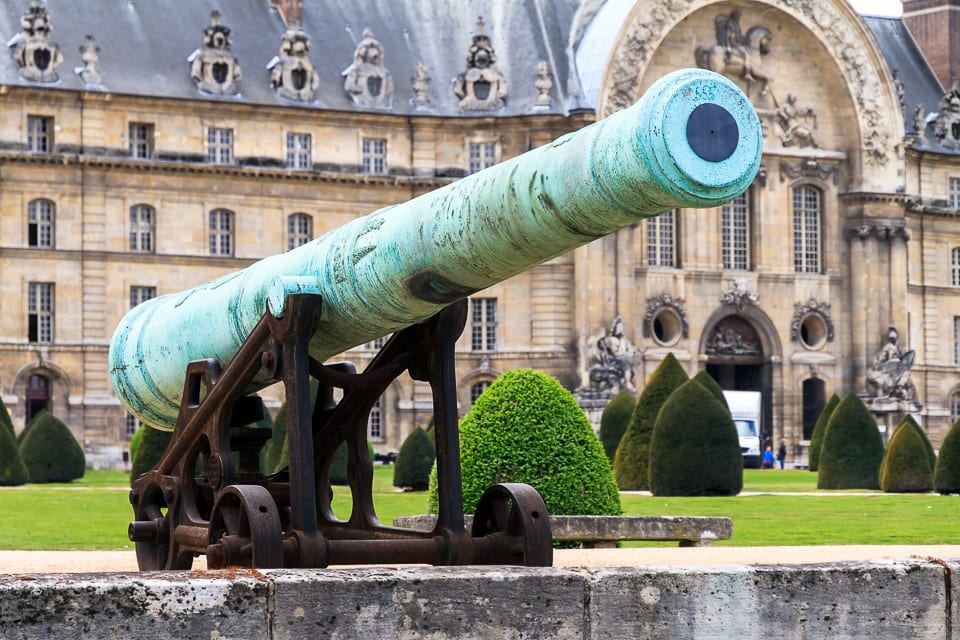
(37, 396)
(736, 360)
(814, 400)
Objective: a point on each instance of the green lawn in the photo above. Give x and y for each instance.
(93, 513)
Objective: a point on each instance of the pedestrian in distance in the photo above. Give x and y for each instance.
(766, 461)
(782, 454)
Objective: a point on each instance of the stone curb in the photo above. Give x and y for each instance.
(873, 599)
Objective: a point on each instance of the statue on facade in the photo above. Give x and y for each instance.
(543, 83)
(90, 55)
(367, 81)
(613, 358)
(292, 74)
(480, 87)
(737, 54)
(796, 124)
(36, 56)
(421, 86)
(213, 66)
(888, 375)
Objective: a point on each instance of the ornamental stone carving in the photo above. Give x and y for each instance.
(90, 56)
(797, 124)
(946, 123)
(737, 54)
(292, 74)
(888, 376)
(656, 305)
(213, 67)
(421, 86)
(653, 20)
(481, 87)
(809, 169)
(543, 83)
(367, 81)
(740, 295)
(802, 310)
(611, 359)
(733, 336)
(37, 58)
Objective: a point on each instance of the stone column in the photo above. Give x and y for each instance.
(899, 236)
(858, 305)
(876, 274)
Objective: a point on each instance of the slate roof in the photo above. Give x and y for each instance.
(144, 46)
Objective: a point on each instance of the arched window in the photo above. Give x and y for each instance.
(142, 217)
(299, 230)
(476, 389)
(375, 421)
(221, 232)
(41, 215)
(807, 213)
(662, 240)
(954, 407)
(735, 233)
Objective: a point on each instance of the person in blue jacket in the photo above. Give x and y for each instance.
(767, 461)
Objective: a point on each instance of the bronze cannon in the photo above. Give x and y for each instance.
(193, 362)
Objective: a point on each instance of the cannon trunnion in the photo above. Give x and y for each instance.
(193, 362)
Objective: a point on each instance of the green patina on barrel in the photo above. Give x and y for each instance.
(693, 140)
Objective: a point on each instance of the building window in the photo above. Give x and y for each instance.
(482, 155)
(219, 146)
(39, 134)
(141, 294)
(477, 389)
(956, 339)
(221, 232)
(735, 233)
(299, 230)
(40, 312)
(955, 266)
(954, 193)
(483, 324)
(40, 218)
(132, 425)
(298, 150)
(954, 407)
(662, 240)
(806, 230)
(140, 137)
(374, 155)
(141, 228)
(375, 422)
(377, 343)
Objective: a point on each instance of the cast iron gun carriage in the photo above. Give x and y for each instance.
(193, 362)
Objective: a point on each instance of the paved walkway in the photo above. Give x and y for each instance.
(110, 561)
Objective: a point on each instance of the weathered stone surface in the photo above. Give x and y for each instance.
(468, 603)
(125, 606)
(847, 600)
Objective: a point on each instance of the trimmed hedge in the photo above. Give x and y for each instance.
(852, 449)
(5, 421)
(906, 464)
(695, 450)
(614, 422)
(12, 470)
(414, 461)
(153, 442)
(631, 464)
(946, 475)
(712, 386)
(50, 452)
(819, 428)
(527, 428)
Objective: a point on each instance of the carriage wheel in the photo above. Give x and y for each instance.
(245, 529)
(515, 515)
(152, 531)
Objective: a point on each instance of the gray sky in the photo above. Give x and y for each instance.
(878, 7)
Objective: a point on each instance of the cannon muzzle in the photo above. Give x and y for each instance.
(693, 140)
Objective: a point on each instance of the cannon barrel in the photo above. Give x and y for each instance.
(692, 140)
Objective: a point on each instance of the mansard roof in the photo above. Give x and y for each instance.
(144, 47)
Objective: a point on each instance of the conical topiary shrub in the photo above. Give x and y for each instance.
(631, 464)
(931, 454)
(695, 450)
(414, 461)
(50, 452)
(819, 428)
(12, 470)
(153, 442)
(527, 428)
(712, 386)
(906, 464)
(614, 421)
(852, 449)
(27, 427)
(946, 475)
(5, 421)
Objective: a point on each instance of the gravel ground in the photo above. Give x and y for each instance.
(113, 561)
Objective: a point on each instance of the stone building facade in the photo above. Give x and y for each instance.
(149, 147)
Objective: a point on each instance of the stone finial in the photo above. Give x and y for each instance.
(37, 58)
(947, 122)
(292, 74)
(480, 87)
(90, 56)
(544, 84)
(367, 81)
(213, 66)
(421, 85)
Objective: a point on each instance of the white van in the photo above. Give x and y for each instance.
(745, 410)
